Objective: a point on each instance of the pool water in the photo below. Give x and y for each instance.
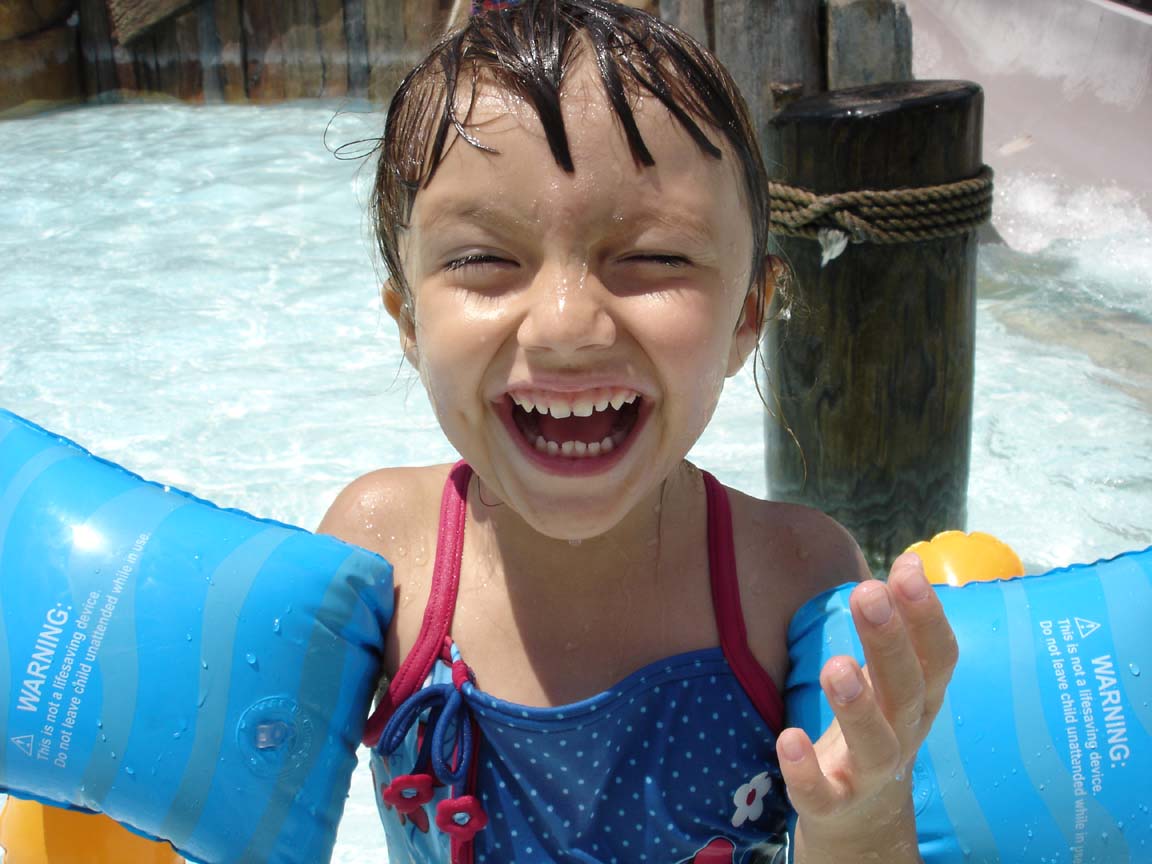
(190, 291)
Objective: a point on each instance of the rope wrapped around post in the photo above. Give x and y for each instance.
(884, 215)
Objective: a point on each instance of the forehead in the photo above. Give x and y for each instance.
(608, 182)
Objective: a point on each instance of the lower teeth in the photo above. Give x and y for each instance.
(575, 449)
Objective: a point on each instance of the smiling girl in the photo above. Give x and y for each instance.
(590, 633)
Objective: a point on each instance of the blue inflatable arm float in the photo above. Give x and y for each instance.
(201, 675)
(1042, 750)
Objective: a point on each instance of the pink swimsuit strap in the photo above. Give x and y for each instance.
(416, 667)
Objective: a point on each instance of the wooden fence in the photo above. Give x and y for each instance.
(272, 50)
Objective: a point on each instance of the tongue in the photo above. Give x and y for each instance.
(587, 429)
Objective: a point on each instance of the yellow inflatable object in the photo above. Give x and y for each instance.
(955, 558)
(34, 834)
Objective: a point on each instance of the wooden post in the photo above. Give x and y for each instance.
(869, 42)
(873, 368)
(772, 48)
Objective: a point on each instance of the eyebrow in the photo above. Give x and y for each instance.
(682, 222)
(479, 212)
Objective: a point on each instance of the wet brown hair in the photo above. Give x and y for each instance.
(527, 51)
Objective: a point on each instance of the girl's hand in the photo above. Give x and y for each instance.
(852, 789)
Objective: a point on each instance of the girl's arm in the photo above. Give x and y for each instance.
(852, 788)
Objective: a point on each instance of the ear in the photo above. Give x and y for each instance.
(401, 313)
(750, 325)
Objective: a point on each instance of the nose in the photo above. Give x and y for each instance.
(568, 311)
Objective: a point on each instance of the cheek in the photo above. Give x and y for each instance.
(690, 346)
(692, 335)
(455, 353)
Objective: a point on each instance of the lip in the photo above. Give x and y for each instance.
(568, 386)
(565, 466)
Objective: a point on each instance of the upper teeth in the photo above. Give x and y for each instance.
(581, 405)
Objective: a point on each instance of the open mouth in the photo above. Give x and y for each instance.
(576, 426)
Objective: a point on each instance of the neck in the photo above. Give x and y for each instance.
(529, 559)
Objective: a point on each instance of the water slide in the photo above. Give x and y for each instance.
(1068, 87)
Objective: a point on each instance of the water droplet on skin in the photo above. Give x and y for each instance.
(574, 542)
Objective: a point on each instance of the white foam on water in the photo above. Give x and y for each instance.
(189, 291)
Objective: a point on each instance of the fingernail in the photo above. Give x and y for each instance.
(846, 683)
(914, 586)
(791, 750)
(875, 604)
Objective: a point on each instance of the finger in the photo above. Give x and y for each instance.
(893, 667)
(867, 733)
(810, 792)
(926, 625)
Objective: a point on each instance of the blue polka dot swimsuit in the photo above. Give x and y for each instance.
(674, 764)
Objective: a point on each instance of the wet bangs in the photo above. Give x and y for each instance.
(527, 51)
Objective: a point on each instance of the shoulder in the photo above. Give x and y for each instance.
(801, 550)
(387, 510)
(786, 554)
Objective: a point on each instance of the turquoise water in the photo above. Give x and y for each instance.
(190, 291)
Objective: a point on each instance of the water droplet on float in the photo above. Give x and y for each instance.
(251, 660)
(187, 637)
(959, 720)
(275, 625)
(1134, 669)
(129, 770)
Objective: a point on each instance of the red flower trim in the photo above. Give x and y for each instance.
(408, 792)
(461, 817)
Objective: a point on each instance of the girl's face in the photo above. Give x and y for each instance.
(574, 330)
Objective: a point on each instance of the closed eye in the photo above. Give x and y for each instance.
(666, 260)
(473, 261)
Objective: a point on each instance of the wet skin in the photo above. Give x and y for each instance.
(527, 280)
